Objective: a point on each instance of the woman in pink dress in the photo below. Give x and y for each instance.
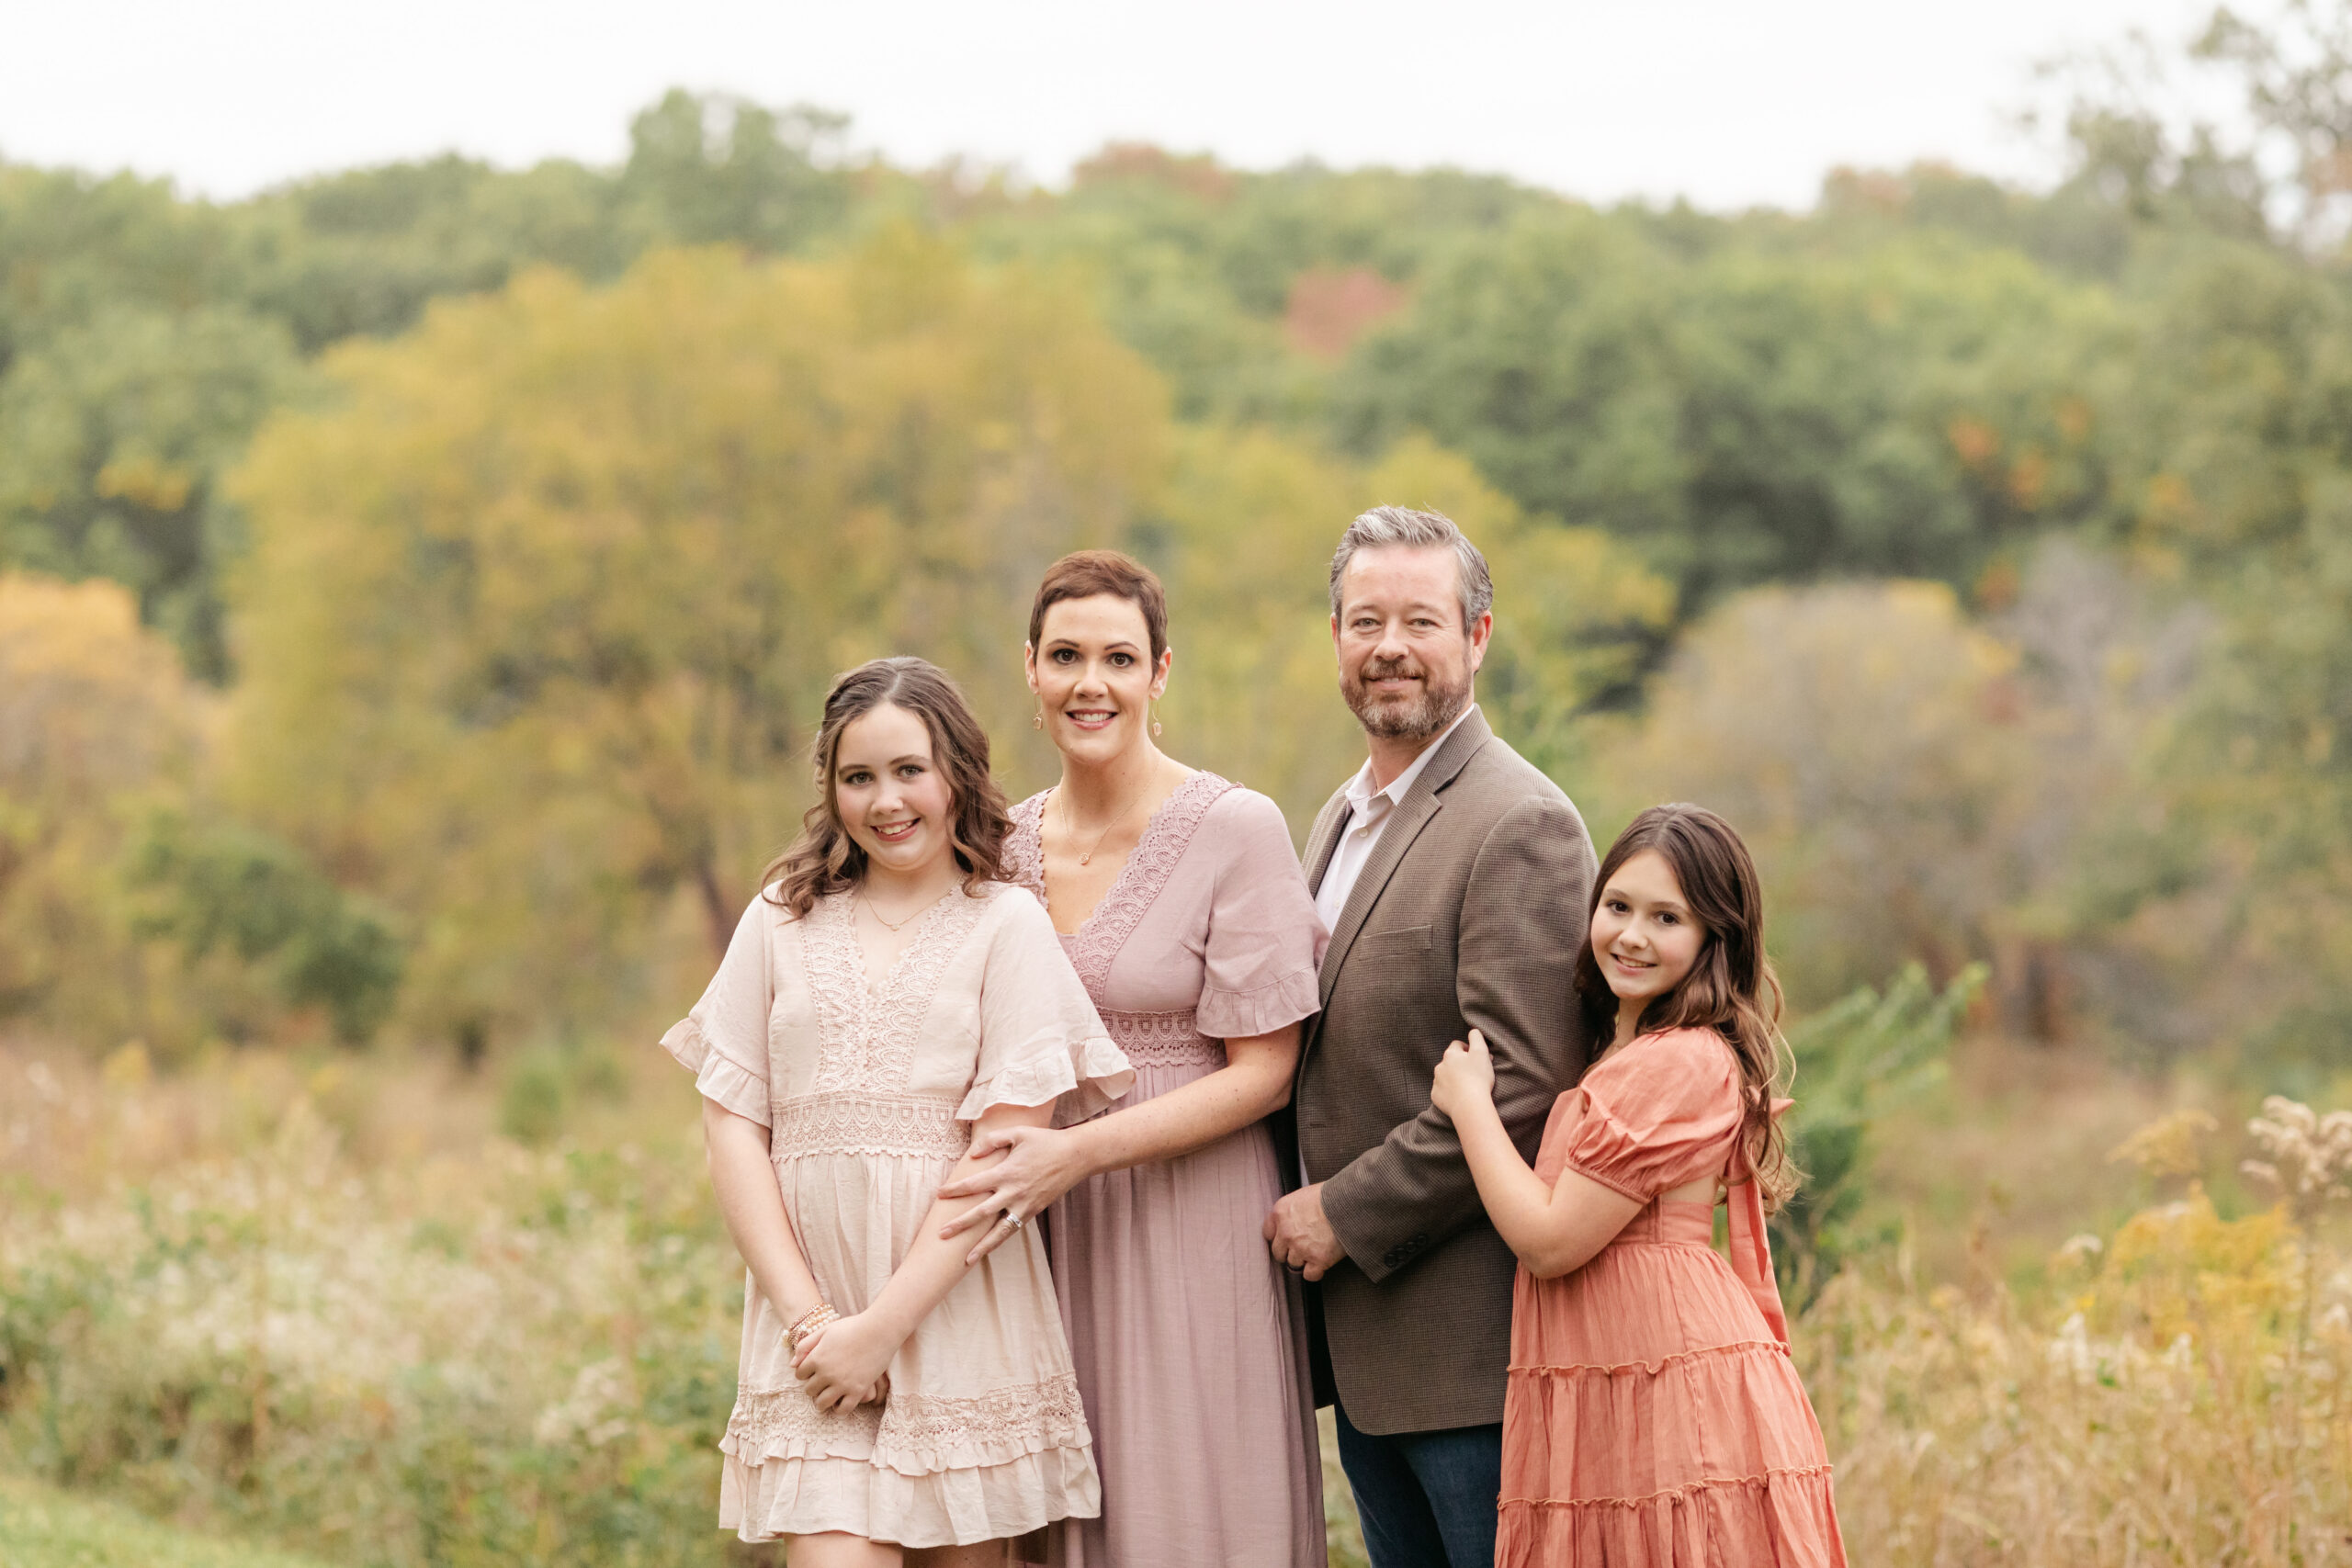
(1180, 900)
(1654, 1418)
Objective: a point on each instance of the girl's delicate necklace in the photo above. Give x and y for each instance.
(1070, 825)
(889, 925)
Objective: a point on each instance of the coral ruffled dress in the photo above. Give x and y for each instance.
(1653, 1416)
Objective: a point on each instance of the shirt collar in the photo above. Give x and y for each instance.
(1359, 790)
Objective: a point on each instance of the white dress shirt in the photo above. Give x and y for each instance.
(1368, 812)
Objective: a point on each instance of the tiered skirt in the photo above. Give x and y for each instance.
(1653, 1418)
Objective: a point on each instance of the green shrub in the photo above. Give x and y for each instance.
(1855, 1060)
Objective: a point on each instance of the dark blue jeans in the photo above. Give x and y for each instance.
(1427, 1499)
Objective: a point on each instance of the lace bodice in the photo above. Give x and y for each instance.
(1098, 941)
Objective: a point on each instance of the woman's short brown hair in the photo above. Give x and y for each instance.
(1083, 574)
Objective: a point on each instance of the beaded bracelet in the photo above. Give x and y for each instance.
(816, 1317)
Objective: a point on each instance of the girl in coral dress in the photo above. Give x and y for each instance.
(887, 993)
(1654, 1418)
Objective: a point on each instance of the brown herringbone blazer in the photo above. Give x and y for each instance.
(1469, 914)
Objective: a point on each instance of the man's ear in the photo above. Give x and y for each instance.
(1482, 631)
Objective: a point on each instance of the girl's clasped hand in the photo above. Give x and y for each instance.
(846, 1362)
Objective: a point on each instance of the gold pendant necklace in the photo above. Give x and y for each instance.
(1069, 826)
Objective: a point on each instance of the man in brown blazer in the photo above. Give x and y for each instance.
(1454, 878)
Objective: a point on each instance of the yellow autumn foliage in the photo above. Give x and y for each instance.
(95, 713)
(540, 612)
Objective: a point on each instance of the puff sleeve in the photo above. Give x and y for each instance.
(1662, 1111)
(1264, 941)
(724, 1040)
(1040, 1036)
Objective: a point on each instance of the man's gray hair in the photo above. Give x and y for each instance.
(1418, 530)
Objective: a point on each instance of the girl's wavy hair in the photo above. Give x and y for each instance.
(1731, 987)
(825, 859)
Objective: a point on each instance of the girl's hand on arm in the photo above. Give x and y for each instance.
(1552, 1230)
(1465, 1079)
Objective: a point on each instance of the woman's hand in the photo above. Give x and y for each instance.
(1038, 1164)
(1465, 1079)
(846, 1362)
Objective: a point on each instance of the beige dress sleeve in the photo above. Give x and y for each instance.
(1041, 1039)
(724, 1040)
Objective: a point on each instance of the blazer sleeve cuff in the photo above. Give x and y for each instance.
(1377, 1236)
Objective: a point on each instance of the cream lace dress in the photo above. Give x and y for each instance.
(869, 1099)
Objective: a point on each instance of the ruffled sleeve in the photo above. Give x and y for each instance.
(724, 1040)
(1040, 1036)
(1264, 941)
(1662, 1111)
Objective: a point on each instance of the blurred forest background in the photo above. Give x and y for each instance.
(417, 585)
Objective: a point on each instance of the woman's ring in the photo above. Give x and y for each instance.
(1016, 1221)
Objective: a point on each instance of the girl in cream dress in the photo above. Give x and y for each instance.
(882, 997)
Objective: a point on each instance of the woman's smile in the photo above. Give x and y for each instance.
(897, 832)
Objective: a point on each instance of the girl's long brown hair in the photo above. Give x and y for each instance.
(825, 859)
(1731, 987)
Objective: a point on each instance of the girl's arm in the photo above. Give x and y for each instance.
(1554, 1231)
(1041, 1162)
(749, 1201)
(841, 1361)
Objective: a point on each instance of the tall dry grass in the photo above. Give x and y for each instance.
(209, 1305)
(2181, 1394)
(336, 1306)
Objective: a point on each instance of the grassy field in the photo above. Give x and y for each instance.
(400, 1316)
(42, 1527)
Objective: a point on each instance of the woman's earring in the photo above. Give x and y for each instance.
(1037, 719)
(1154, 722)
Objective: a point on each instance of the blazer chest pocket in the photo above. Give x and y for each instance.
(1399, 939)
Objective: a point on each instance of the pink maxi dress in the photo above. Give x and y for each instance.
(1654, 1418)
(1190, 1341)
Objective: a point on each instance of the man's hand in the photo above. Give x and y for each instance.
(1300, 1236)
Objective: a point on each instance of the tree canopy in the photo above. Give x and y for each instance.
(516, 518)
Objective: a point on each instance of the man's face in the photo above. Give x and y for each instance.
(1406, 659)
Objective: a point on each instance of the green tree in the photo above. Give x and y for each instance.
(1753, 413)
(113, 436)
(711, 168)
(366, 250)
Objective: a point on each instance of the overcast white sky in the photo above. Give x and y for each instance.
(1726, 102)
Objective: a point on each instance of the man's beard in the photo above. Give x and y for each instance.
(1411, 719)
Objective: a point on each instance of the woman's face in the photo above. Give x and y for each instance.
(1642, 934)
(894, 800)
(1093, 675)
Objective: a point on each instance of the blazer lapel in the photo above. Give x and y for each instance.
(1413, 813)
(1323, 838)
